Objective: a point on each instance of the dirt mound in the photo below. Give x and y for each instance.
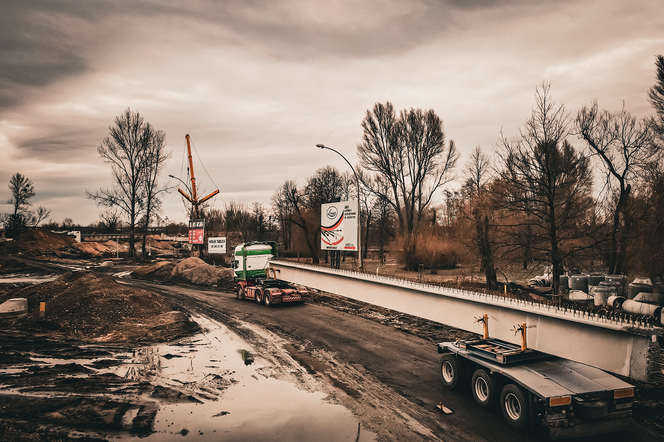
(95, 308)
(106, 248)
(161, 245)
(91, 248)
(10, 266)
(115, 246)
(160, 271)
(38, 240)
(196, 271)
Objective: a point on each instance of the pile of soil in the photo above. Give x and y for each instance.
(11, 266)
(161, 245)
(190, 270)
(93, 248)
(95, 308)
(37, 241)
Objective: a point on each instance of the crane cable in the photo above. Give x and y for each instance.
(202, 163)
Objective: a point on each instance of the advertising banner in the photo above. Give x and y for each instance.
(196, 231)
(217, 245)
(338, 226)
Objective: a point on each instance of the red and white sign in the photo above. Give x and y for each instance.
(338, 226)
(196, 231)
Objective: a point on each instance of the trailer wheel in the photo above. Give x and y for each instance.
(258, 293)
(267, 298)
(452, 371)
(514, 405)
(484, 387)
(239, 292)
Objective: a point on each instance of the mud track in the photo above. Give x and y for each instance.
(379, 364)
(379, 369)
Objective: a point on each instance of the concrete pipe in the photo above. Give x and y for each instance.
(14, 307)
(599, 295)
(650, 298)
(641, 308)
(615, 301)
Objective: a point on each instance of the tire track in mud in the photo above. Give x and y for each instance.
(379, 407)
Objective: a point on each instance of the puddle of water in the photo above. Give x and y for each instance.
(232, 397)
(237, 402)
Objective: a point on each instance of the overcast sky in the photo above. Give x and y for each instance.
(257, 84)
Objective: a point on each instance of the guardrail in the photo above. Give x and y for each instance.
(618, 345)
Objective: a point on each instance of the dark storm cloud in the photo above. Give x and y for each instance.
(44, 42)
(33, 53)
(70, 143)
(250, 77)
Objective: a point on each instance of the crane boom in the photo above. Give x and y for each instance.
(193, 199)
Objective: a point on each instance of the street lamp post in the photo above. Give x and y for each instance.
(359, 204)
(185, 184)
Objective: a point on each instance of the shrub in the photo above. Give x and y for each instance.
(434, 252)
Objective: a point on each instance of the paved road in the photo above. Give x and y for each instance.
(387, 377)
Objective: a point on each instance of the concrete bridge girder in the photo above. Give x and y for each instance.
(617, 347)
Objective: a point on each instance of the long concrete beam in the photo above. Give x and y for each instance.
(616, 346)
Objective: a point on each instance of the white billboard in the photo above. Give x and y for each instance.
(338, 226)
(217, 245)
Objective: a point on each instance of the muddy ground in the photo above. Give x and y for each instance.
(90, 313)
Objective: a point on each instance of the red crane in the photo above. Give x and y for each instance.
(193, 199)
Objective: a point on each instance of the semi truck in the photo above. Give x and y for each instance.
(551, 395)
(255, 280)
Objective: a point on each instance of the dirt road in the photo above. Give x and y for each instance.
(387, 377)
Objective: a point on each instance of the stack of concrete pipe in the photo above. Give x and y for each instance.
(639, 297)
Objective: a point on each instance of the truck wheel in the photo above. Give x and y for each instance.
(514, 405)
(452, 371)
(267, 298)
(484, 387)
(239, 292)
(258, 293)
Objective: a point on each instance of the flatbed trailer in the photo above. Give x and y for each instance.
(559, 397)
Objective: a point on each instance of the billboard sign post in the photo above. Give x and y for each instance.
(339, 226)
(217, 245)
(196, 231)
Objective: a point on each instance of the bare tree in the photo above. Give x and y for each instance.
(293, 204)
(22, 190)
(110, 220)
(259, 221)
(283, 210)
(479, 211)
(127, 150)
(410, 153)
(548, 182)
(41, 214)
(238, 219)
(383, 214)
(624, 147)
(155, 160)
(656, 96)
